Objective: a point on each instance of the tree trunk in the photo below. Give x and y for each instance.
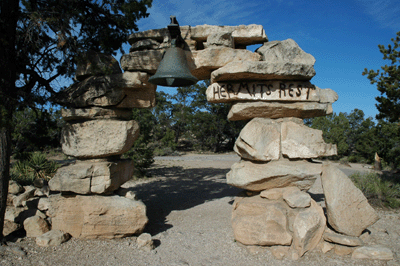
(9, 14)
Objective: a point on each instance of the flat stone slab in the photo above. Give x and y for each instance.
(248, 70)
(275, 174)
(269, 91)
(249, 110)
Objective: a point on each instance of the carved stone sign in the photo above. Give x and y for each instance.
(273, 90)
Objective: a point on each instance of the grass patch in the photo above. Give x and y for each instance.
(381, 190)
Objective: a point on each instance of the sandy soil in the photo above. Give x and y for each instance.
(189, 207)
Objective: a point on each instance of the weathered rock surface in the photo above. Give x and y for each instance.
(308, 227)
(52, 238)
(145, 242)
(256, 221)
(92, 177)
(139, 98)
(95, 64)
(71, 114)
(372, 252)
(300, 141)
(102, 91)
(212, 58)
(274, 174)
(97, 216)
(147, 44)
(259, 140)
(223, 38)
(285, 51)
(261, 70)
(145, 61)
(98, 138)
(35, 226)
(348, 211)
(249, 110)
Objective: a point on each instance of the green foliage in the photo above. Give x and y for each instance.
(34, 130)
(380, 190)
(358, 139)
(388, 82)
(34, 167)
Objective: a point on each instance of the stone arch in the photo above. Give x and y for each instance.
(271, 87)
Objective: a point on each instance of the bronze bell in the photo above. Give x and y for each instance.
(173, 70)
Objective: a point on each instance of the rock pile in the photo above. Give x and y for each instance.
(98, 131)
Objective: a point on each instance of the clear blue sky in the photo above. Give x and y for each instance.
(342, 35)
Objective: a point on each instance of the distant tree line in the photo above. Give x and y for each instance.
(185, 121)
(359, 138)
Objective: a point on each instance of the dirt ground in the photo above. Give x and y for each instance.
(189, 206)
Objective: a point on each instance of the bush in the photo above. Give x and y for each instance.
(35, 166)
(380, 190)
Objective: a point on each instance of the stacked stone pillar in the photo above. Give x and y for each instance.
(271, 89)
(97, 132)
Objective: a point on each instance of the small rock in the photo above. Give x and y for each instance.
(272, 194)
(14, 188)
(40, 182)
(35, 226)
(279, 252)
(297, 199)
(145, 242)
(10, 227)
(43, 204)
(20, 199)
(52, 238)
(373, 252)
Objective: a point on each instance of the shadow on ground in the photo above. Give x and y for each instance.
(180, 189)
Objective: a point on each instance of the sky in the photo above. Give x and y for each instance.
(342, 35)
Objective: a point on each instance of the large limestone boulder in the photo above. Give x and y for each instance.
(92, 177)
(96, 64)
(260, 176)
(348, 211)
(212, 58)
(285, 51)
(256, 221)
(259, 140)
(262, 70)
(103, 91)
(300, 141)
(249, 110)
(98, 138)
(97, 216)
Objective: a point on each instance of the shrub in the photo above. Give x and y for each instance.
(380, 190)
(35, 166)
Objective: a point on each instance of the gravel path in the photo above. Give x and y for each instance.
(189, 207)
